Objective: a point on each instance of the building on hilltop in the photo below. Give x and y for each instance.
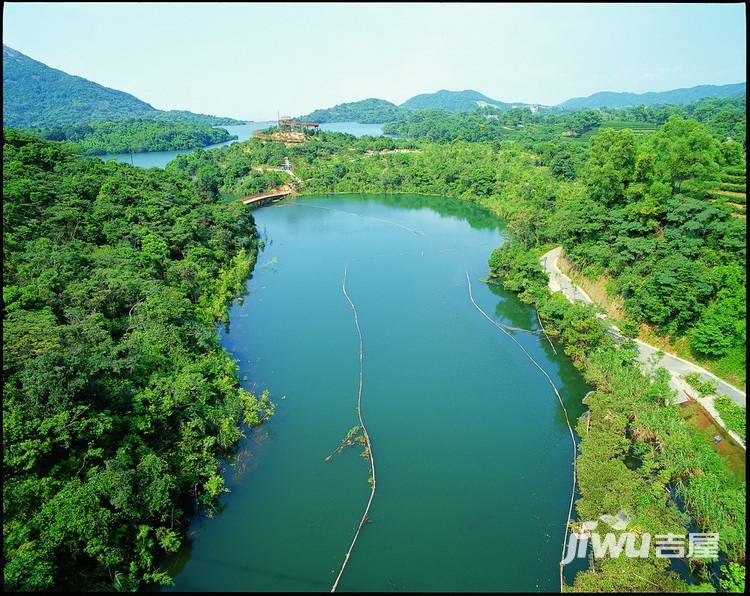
(287, 123)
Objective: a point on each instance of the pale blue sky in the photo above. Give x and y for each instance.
(249, 60)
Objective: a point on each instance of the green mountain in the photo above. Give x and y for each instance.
(366, 111)
(194, 118)
(379, 110)
(453, 101)
(35, 95)
(610, 99)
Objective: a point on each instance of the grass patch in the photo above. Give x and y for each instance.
(733, 415)
(703, 387)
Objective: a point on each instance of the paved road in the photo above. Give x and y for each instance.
(647, 356)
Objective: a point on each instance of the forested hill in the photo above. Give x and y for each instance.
(100, 138)
(366, 111)
(117, 398)
(35, 95)
(374, 110)
(609, 99)
(452, 101)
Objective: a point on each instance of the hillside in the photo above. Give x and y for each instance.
(452, 101)
(194, 118)
(367, 111)
(611, 99)
(35, 95)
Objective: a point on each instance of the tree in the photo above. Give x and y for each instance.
(684, 150)
(610, 168)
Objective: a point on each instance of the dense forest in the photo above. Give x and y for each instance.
(117, 398)
(136, 136)
(725, 118)
(489, 124)
(374, 110)
(676, 256)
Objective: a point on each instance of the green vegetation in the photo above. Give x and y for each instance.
(677, 259)
(617, 106)
(354, 436)
(725, 119)
(451, 101)
(704, 388)
(634, 207)
(35, 95)
(366, 111)
(441, 126)
(733, 579)
(136, 136)
(734, 416)
(244, 168)
(238, 176)
(636, 450)
(491, 124)
(185, 116)
(117, 398)
(374, 110)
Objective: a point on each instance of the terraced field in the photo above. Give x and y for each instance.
(732, 190)
(638, 128)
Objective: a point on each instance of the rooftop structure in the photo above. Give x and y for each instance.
(291, 124)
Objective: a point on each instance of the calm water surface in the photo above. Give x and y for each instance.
(354, 128)
(159, 159)
(472, 453)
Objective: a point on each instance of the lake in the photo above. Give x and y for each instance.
(159, 159)
(354, 128)
(472, 451)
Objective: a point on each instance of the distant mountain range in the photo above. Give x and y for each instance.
(611, 99)
(380, 110)
(35, 95)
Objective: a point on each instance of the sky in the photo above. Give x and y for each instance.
(250, 61)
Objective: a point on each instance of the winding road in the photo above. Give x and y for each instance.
(648, 355)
